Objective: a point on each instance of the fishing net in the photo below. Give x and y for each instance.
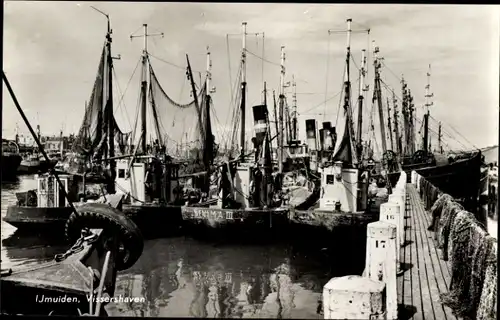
(472, 256)
(180, 127)
(470, 249)
(90, 142)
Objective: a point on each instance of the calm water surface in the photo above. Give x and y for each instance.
(183, 277)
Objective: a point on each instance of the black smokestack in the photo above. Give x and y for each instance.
(327, 138)
(260, 127)
(311, 134)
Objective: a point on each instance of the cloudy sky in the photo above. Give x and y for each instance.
(52, 49)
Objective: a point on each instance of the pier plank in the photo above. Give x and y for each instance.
(426, 307)
(445, 268)
(438, 276)
(416, 291)
(406, 279)
(429, 270)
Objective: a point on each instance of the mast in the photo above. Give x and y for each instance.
(440, 136)
(144, 91)
(362, 74)
(208, 143)
(195, 97)
(389, 124)
(276, 118)
(411, 116)
(243, 87)
(109, 107)
(144, 83)
(396, 124)
(428, 103)
(281, 110)
(295, 134)
(378, 96)
(264, 92)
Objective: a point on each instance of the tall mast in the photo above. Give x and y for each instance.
(428, 103)
(378, 96)
(243, 86)
(347, 93)
(264, 94)
(295, 130)
(109, 103)
(195, 97)
(108, 113)
(404, 110)
(396, 124)
(411, 123)
(281, 110)
(440, 136)
(144, 83)
(362, 89)
(276, 119)
(389, 123)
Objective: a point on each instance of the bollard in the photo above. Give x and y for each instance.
(381, 261)
(354, 297)
(414, 178)
(398, 199)
(390, 213)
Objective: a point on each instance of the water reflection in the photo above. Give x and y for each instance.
(185, 278)
(182, 277)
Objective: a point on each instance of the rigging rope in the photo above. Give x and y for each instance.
(327, 73)
(263, 59)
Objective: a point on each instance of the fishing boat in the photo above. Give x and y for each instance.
(144, 174)
(250, 196)
(457, 174)
(10, 159)
(75, 282)
(344, 202)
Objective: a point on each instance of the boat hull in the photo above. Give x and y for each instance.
(152, 219)
(216, 222)
(30, 167)
(10, 163)
(460, 179)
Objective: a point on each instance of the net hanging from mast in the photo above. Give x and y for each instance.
(90, 140)
(181, 128)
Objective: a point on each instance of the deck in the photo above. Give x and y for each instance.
(425, 275)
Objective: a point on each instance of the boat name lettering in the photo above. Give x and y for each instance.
(213, 214)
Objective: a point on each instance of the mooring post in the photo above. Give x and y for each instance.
(398, 199)
(354, 297)
(381, 261)
(390, 213)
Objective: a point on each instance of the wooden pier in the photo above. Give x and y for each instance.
(405, 275)
(425, 275)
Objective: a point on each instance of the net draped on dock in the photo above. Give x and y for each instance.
(470, 253)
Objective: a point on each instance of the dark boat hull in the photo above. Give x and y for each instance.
(235, 223)
(460, 179)
(9, 165)
(152, 219)
(43, 166)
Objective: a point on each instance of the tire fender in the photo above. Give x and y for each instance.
(103, 216)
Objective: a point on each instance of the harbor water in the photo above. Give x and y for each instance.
(184, 277)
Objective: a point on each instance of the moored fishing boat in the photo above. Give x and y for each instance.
(10, 159)
(250, 197)
(147, 179)
(457, 174)
(66, 285)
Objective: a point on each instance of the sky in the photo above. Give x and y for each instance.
(52, 50)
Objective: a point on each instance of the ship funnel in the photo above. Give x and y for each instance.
(260, 125)
(327, 137)
(311, 134)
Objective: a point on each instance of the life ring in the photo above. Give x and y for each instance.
(100, 215)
